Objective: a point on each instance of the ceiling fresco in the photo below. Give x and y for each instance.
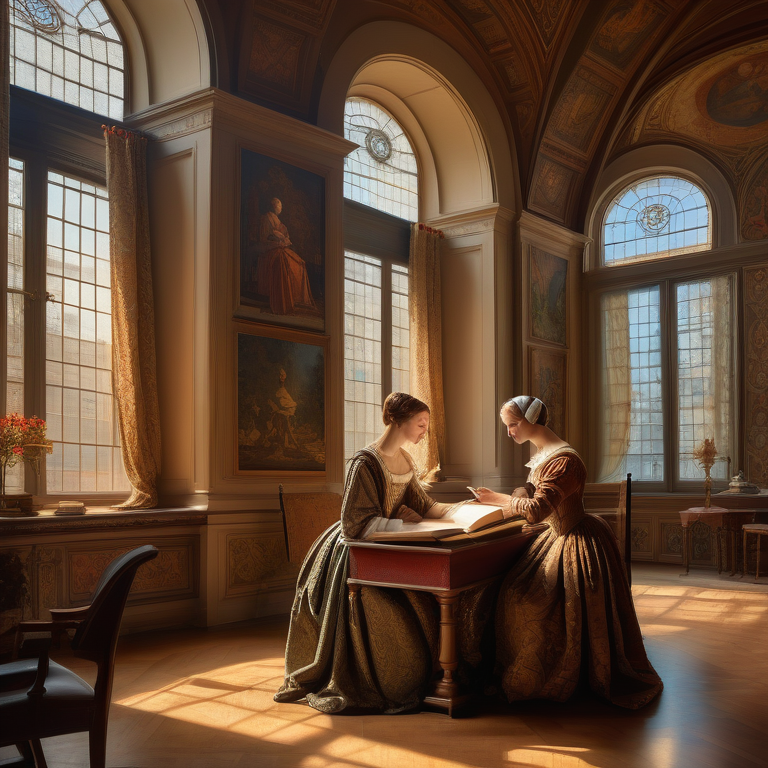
(578, 81)
(719, 107)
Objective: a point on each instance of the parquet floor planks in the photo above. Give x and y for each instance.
(203, 699)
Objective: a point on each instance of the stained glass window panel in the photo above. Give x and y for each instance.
(68, 50)
(81, 409)
(656, 218)
(382, 173)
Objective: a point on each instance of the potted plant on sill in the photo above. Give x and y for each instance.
(21, 439)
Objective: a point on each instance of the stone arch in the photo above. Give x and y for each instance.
(167, 50)
(463, 146)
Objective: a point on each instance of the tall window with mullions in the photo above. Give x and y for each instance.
(381, 191)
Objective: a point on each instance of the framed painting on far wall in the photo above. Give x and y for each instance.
(281, 385)
(549, 284)
(282, 243)
(548, 369)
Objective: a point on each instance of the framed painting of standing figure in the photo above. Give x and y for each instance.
(281, 385)
(282, 243)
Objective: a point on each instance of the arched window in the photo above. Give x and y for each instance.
(667, 340)
(656, 218)
(381, 188)
(382, 172)
(69, 50)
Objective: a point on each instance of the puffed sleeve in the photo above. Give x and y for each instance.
(558, 479)
(361, 501)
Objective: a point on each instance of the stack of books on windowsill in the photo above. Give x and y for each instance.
(70, 508)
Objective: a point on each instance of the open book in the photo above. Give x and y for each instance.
(465, 519)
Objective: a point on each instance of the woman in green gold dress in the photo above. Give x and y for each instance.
(376, 652)
(565, 609)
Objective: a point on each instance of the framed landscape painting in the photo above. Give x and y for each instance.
(282, 243)
(548, 376)
(281, 385)
(549, 283)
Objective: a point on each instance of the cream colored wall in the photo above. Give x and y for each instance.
(166, 48)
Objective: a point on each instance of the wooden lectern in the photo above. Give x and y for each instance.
(444, 569)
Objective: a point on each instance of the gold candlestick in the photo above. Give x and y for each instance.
(705, 455)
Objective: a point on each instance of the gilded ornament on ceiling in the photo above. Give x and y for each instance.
(754, 207)
(546, 13)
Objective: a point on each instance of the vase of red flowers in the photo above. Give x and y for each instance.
(21, 439)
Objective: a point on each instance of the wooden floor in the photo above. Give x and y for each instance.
(195, 698)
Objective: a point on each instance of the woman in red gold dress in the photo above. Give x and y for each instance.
(565, 609)
(281, 272)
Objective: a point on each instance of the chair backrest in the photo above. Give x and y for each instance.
(613, 502)
(96, 638)
(305, 517)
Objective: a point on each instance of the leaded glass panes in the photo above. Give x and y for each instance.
(362, 351)
(645, 454)
(656, 218)
(81, 409)
(69, 50)
(704, 371)
(382, 172)
(15, 308)
(401, 346)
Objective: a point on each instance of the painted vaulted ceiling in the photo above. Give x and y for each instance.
(578, 82)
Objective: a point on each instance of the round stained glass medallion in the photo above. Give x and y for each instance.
(41, 14)
(378, 145)
(653, 218)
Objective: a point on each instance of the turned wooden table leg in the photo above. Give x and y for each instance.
(447, 687)
(744, 561)
(719, 549)
(445, 694)
(686, 555)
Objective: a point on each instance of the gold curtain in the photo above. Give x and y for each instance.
(133, 315)
(5, 111)
(617, 385)
(426, 344)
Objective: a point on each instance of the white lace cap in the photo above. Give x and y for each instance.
(531, 413)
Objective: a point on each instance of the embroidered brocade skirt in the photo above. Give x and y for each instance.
(376, 651)
(565, 610)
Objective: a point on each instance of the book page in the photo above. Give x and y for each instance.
(472, 516)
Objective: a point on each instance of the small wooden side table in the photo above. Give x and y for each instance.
(712, 516)
(759, 529)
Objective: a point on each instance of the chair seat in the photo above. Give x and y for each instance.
(755, 527)
(64, 692)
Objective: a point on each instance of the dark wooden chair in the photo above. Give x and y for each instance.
(39, 698)
(305, 517)
(613, 502)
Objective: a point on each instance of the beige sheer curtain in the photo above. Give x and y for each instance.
(427, 344)
(133, 315)
(617, 385)
(719, 414)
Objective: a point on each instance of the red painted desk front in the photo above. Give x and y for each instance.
(445, 570)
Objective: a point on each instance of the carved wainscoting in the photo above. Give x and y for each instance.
(670, 541)
(173, 574)
(252, 559)
(642, 538)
